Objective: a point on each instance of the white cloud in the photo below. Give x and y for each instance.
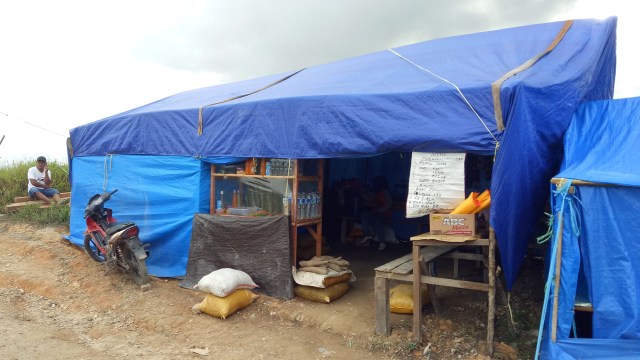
(66, 63)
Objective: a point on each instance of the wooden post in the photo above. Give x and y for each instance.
(417, 299)
(319, 225)
(383, 316)
(212, 190)
(554, 315)
(492, 290)
(294, 214)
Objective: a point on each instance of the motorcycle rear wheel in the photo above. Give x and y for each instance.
(92, 250)
(138, 267)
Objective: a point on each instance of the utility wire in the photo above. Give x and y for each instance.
(34, 125)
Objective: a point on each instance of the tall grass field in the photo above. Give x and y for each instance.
(13, 183)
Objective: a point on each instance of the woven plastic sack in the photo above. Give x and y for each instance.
(326, 295)
(401, 298)
(221, 307)
(223, 282)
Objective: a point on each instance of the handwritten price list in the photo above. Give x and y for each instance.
(436, 182)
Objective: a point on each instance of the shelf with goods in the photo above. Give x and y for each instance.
(307, 182)
(276, 186)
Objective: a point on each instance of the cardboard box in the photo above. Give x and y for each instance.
(448, 224)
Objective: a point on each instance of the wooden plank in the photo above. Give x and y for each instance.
(460, 284)
(383, 316)
(393, 276)
(404, 265)
(430, 253)
(388, 267)
(445, 238)
(17, 206)
(429, 242)
(464, 256)
(20, 199)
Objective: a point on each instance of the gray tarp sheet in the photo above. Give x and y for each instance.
(259, 246)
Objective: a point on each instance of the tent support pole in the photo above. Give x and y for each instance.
(554, 316)
(491, 310)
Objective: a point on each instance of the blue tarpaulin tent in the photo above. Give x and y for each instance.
(599, 233)
(446, 95)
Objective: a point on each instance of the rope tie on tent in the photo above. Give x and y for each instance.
(107, 158)
(495, 87)
(574, 216)
(464, 98)
(200, 123)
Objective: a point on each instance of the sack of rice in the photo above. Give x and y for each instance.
(222, 307)
(401, 298)
(326, 295)
(224, 281)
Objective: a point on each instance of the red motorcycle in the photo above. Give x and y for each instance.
(115, 242)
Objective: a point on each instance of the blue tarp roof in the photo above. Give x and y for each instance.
(400, 100)
(596, 129)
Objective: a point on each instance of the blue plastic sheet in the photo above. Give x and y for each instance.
(601, 147)
(383, 102)
(159, 193)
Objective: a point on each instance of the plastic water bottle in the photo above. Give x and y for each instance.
(219, 204)
(317, 205)
(300, 207)
(313, 210)
(286, 203)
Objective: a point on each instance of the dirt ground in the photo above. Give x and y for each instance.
(56, 303)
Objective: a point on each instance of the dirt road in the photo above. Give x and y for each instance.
(55, 303)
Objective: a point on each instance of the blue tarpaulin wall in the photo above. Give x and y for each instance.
(601, 230)
(398, 100)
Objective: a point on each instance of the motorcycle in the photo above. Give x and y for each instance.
(115, 242)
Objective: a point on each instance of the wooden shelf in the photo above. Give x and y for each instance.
(305, 222)
(254, 176)
(308, 178)
(313, 226)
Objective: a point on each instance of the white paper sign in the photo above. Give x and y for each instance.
(436, 182)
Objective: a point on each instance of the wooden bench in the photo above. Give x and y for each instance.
(22, 201)
(401, 269)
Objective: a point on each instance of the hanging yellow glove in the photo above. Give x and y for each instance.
(485, 201)
(468, 205)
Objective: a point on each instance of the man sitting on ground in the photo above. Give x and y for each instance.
(40, 183)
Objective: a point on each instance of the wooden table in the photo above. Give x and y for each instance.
(428, 240)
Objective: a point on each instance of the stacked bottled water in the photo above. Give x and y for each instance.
(301, 206)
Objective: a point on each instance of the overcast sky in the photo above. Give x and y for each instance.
(66, 63)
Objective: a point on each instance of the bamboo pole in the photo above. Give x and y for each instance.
(561, 181)
(554, 314)
(492, 290)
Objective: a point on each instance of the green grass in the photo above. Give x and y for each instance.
(13, 183)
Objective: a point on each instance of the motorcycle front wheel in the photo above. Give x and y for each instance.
(92, 250)
(137, 267)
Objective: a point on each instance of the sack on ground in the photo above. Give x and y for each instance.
(401, 298)
(327, 295)
(222, 307)
(321, 280)
(328, 281)
(223, 282)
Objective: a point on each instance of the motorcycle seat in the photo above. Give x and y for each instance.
(117, 226)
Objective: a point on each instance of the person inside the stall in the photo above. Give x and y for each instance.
(378, 204)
